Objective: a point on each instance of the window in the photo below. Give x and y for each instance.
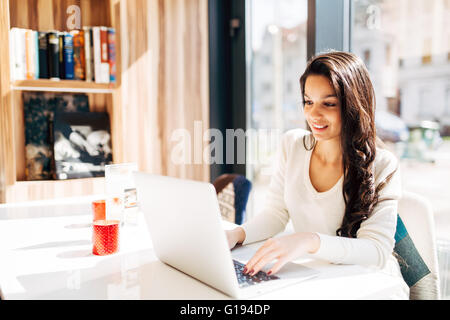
(289, 88)
(405, 45)
(447, 102)
(388, 55)
(448, 44)
(367, 58)
(409, 58)
(266, 87)
(425, 104)
(426, 56)
(278, 57)
(401, 50)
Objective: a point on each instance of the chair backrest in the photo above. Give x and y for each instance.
(417, 216)
(232, 191)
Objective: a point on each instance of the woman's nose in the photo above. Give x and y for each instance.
(314, 111)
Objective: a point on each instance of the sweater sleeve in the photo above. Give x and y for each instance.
(375, 238)
(274, 217)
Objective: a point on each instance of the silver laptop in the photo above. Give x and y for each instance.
(184, 221)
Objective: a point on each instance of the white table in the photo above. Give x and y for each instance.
(46, 253)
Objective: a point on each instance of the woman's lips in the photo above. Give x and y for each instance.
(319, 128)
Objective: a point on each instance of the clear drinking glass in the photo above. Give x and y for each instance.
(121, 195)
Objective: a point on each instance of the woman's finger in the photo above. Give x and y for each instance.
(269, 257)
(278, 265)
(263, 250)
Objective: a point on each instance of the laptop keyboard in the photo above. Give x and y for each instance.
(246, 280)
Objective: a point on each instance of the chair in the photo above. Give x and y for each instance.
(418, 246)
(232, 191)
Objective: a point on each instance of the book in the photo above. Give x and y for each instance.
(31, 54)
(62, 67)
(17, 54)
(88, 56)
(78, 54)
(28, 74)
(36, 54)
(112, 54)
(104, 51)
(96, 52)
(101, 64)
(68, 56)
(39, 108)
(43, 55)
(53, 55)
(82, 144)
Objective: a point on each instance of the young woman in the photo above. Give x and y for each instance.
(336, 185)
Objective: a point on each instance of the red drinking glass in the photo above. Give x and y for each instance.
(105, 237)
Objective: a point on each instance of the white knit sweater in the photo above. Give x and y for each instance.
(292, 196)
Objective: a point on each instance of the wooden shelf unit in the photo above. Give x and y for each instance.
(162, 85)
(46, 15)
(76, 86)
(46, 189)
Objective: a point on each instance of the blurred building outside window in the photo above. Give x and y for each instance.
(278, 57)
(409, 41)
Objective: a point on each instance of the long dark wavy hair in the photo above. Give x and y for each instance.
(351, 82)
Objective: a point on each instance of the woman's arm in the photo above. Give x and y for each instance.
(235, 236)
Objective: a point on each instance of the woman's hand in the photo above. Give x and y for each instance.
(283, 249)
(235, 236)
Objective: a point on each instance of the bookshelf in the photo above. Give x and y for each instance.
(46, 15)
(75, 86)
(162, 85)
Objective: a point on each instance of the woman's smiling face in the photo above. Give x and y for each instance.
(322, 108)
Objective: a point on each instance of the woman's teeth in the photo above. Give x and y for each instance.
(318, 127)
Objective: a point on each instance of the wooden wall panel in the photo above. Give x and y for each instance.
(136, 100)
(44, 15)
(164, 82)
(7, 164)
(19, 135)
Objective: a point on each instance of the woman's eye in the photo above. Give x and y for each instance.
(308, 102)
(329, 104)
